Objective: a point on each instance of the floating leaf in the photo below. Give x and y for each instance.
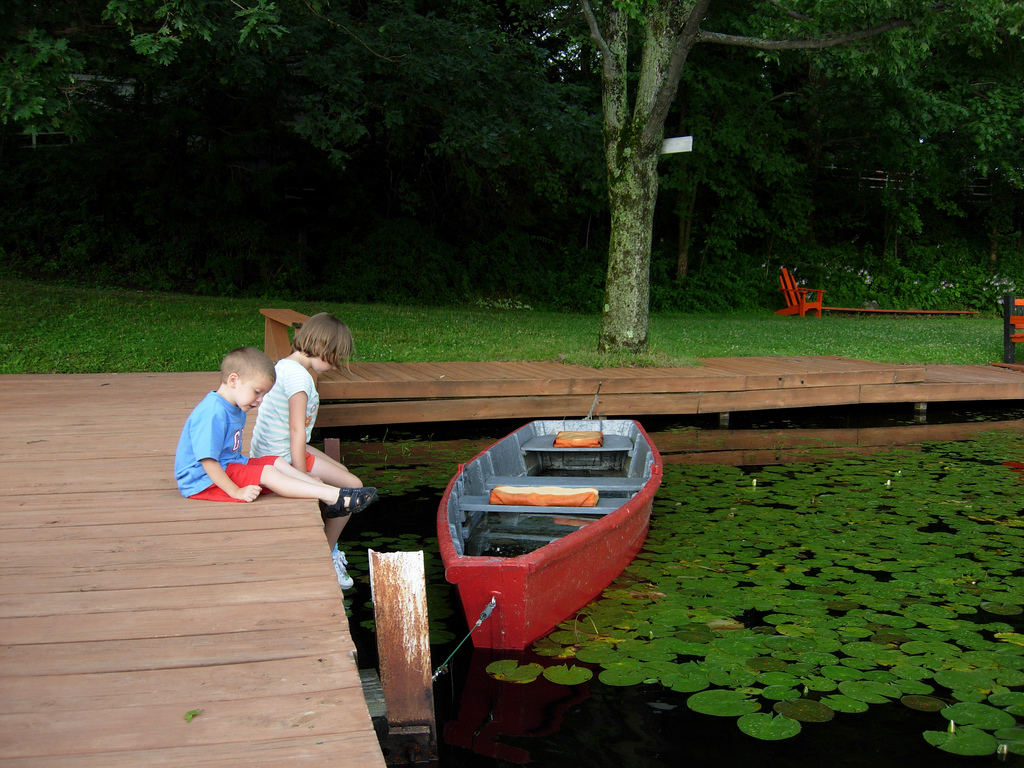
(1002, 609)
(963, 741)
(622, 675)
(805, 710)
(768, 727)
(980, 715)
(841, 703)
(566, 675)
(509, 670)
(923, 703)
(722, 703)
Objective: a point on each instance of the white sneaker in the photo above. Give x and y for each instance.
(344, 580)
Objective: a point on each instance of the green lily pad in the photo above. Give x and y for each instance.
(923, 703)
(768, 727)
(1002, 609)
(980, 715)
(620, 675)
(963, 741)
(722, 703)
(510, 671)
(841, 703)
(1009, 701)
(563, 674)
(780, 692)
(805, 710)
(869, 691)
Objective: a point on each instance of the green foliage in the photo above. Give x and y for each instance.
(37, 81)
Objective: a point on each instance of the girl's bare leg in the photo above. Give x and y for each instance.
(333, 526)
(331, 472)
(287, 469)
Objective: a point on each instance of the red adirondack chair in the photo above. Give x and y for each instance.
(797, 299)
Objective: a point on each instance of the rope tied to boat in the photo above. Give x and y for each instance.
(593, 405)
(484, 615)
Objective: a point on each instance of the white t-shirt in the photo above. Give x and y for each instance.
(270, 436)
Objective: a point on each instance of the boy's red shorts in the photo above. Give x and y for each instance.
(243, 475)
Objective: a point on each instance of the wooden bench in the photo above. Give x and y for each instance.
(1013, 323)
(277, 342)
(798, 302)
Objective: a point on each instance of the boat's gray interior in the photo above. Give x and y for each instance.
(527, 457)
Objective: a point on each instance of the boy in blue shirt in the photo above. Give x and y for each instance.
(209, 463)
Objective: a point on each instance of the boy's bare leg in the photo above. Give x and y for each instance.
(302, 487)
(330, 471)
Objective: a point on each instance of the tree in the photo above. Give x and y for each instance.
(634, 117)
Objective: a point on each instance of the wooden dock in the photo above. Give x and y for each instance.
(140, 628)
(124, 607)
(394, 393)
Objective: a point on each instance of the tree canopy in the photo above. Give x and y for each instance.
(413, 151)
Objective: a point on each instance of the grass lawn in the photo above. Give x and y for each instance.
(58, 329)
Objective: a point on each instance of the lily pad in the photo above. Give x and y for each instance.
(722, 703)
(562, 674)
(1002, 609)
(510, 671)
(805, 710)
(963, 741)
(841, 703)
(923, 703)
(980, 715)
(768, 727)
(620, 675)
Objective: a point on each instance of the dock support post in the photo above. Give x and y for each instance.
(921, 413)
(723, 420)
(399, 589)
(332, 447)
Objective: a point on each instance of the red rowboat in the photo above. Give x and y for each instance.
(539, 560)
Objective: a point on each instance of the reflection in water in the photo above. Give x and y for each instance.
(487, 723)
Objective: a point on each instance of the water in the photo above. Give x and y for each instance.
(486, 723)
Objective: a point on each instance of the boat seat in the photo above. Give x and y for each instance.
(482, 504)
(625, 484)
(612, 443)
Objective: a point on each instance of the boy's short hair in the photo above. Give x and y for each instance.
(248, 363)
(326, 337)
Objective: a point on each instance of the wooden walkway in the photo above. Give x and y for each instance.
(391, 393)
(123, 606)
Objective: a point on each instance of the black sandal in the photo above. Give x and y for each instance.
(358, 500)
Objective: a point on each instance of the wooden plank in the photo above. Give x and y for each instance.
(314, 672)
(242, 721)
(107, 657)
(133, 624)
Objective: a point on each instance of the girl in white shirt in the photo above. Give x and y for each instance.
(284, 422)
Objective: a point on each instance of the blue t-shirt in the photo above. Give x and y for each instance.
(213, 431)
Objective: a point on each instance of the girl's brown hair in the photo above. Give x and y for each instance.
(326, 337)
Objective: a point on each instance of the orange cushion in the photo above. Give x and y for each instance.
(571, 439)
(544, 496)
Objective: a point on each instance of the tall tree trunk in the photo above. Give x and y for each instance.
(632, 192)
(633, 134)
